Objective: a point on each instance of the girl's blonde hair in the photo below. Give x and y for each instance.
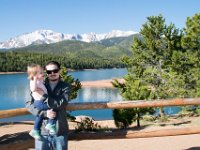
(32, 70)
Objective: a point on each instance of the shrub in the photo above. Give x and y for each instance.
(123, 117)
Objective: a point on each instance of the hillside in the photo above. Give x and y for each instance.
(71, 53)
(109, 48)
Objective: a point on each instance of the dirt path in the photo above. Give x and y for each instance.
(183, 142)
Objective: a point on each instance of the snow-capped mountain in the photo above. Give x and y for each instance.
(49, 36)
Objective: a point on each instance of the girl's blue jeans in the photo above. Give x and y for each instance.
(40, 105)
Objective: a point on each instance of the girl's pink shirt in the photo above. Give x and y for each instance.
(34, 86)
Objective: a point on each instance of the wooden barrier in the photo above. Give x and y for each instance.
(13, 112)
(24, 141)
(111, 105)
(20, 143)
(134, 104)
(129, 134)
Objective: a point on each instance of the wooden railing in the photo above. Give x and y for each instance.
(116, 133)
(111, 105)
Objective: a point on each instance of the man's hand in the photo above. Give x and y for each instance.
(51, 114)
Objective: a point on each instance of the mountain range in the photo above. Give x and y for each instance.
(39, 37)
(75, 51)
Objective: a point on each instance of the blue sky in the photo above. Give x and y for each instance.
(85, 16)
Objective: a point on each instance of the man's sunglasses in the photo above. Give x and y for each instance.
(54, 71)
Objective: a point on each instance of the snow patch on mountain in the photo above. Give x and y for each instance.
(49, 36)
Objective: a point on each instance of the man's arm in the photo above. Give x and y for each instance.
(61, 100)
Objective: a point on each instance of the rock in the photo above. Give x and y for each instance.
(82, 117)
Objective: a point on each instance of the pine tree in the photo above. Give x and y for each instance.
(191, 39)
(150, 75)
(191, 43)
(75, 83)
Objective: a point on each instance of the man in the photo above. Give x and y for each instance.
(57, 99)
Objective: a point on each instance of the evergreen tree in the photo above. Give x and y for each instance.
(150, 75)
(191, 39)
(191, 43)
(75, 83)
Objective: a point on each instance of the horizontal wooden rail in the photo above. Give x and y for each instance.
(111, 105)
(134, 104)
(24, 141)
(121, 134)
(13, 112)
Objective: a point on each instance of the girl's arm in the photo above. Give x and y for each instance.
(33, 84)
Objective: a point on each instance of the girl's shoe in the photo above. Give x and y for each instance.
(35, 134)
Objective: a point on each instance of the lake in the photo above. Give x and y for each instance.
(14, 90)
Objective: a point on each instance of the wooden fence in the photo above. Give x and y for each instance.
(111, 105)
(5, 144)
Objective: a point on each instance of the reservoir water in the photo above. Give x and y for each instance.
(14, 90)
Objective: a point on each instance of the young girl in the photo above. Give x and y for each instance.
(37, 87)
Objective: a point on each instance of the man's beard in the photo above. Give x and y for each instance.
(53, 80)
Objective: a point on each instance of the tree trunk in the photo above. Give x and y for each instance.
(138, 119)
(161, 112)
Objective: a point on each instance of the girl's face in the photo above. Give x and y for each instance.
(40, 73)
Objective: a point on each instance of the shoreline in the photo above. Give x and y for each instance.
(100, 83)
(85, 84)
(11, 73)
(68, 69)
